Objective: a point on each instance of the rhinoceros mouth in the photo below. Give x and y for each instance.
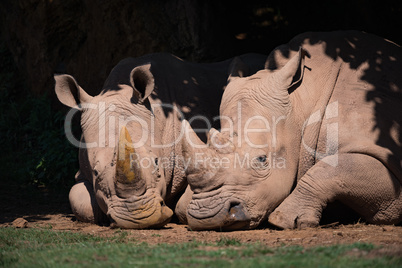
(217, 211)
(147, 211)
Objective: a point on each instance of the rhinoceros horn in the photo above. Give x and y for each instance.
(194, 149)
(202, 159)
(125, 170)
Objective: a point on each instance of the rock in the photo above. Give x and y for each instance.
(20, 223)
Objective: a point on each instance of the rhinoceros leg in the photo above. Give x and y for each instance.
(83, 204)
(359, 181)
(181, 206)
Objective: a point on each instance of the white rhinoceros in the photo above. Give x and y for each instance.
(321, 123)
(130, 152)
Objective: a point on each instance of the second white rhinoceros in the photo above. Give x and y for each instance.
(321, 124)
(130, 151)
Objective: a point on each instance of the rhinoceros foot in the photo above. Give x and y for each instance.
(84, 206)
(290, 217)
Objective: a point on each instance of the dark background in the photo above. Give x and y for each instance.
(86, 38)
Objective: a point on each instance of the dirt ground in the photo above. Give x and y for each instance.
(58, 216)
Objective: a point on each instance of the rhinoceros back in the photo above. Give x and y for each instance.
(353, 80)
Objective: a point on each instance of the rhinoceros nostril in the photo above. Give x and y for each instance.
(237, 212)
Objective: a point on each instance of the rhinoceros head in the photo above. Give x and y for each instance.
(116, 156)
(250, 166)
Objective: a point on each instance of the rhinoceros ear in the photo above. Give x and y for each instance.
(237, 68)
(142, 81)
(292, 72)
(69, 92)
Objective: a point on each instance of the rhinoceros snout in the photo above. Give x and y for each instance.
(151, 214)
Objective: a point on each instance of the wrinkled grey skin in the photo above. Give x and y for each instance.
(333, 106)
(130, 193)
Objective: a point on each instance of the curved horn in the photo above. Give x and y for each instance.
(202, 163)
(191, 142)
(125, 154)
(194, 148)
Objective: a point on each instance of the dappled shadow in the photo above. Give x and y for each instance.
(377, 63)
(194, 88)
(383, 73)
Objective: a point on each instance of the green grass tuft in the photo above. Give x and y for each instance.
(224, 241)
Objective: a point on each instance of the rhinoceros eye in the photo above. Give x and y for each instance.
(260, 167)
(262, 158)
